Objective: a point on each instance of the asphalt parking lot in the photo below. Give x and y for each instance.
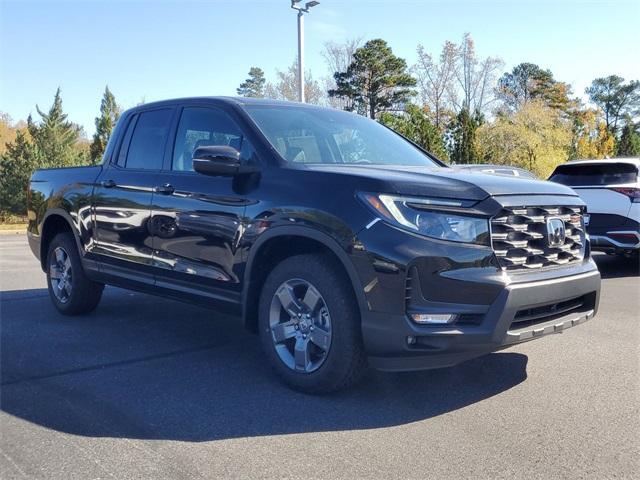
(149, 388)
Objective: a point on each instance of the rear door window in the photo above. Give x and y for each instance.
(598, 174)
(148, 141)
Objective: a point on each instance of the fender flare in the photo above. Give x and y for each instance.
(59, 212)
(312, 234)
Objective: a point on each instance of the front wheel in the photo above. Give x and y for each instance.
(71, 291)
(310, 325)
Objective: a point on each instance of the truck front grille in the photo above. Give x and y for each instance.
(519, 237)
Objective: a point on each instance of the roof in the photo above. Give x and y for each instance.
(632, 161)
(263, 101)
(479, 166)
(229, 100)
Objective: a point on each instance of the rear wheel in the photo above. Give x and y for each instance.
(71, 291)
(310, 325)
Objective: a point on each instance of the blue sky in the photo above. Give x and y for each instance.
(155, 49)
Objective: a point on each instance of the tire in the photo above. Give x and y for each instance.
(71, 291)
(321, 316)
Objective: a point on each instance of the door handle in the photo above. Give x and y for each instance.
(107, 183)
(166, 189)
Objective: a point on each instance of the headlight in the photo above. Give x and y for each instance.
(426, 217)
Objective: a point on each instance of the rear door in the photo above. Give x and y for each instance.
(596, 183)
(122, 197)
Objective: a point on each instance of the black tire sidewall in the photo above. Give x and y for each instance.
(345, 353)
(85, 294)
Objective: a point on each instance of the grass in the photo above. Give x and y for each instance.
(12, 226)
(10, 222)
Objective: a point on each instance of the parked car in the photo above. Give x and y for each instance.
(341, 243)
(497, 170)
(611, 190)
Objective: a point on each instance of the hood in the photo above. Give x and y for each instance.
(445, 182)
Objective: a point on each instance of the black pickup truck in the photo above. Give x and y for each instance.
(337, 240)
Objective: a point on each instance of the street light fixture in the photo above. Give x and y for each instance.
(302, 9)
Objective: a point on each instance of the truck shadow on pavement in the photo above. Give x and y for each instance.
(147, 368)
(617, 266)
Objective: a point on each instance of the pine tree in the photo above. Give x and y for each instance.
(417, 127)
(629, 145)
(528, 82)
(55, 137)
(376, 81)
(253, 86)
(105, 123)
(52, 142)
(616, 98)
(16, 166)
(463, 133)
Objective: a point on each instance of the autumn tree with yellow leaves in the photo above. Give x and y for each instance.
(535, 137)
(591, 137)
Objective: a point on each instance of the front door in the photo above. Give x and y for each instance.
(198, 220)
(122, 197)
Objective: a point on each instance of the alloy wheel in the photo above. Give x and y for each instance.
(300, 325)
(61, 274)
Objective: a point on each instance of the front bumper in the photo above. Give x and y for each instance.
(607, 242)
(388, 338)
(404, 274)
(614, 233)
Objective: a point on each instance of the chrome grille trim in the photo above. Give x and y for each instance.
(519, 240)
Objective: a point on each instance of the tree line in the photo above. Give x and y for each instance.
(460, 106)
(48, 142)
(464, 109)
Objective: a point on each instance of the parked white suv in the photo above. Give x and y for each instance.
(611, 190)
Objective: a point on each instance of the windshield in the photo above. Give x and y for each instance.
(315, 135)
(595, 174)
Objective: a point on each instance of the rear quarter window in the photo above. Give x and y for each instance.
(595, 174)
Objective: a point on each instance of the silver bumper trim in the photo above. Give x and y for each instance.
(553, 326)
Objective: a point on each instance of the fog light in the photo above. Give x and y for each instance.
(434, 318)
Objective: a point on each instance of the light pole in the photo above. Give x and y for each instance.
(297, 5)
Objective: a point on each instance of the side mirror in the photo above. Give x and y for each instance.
(219, 160)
